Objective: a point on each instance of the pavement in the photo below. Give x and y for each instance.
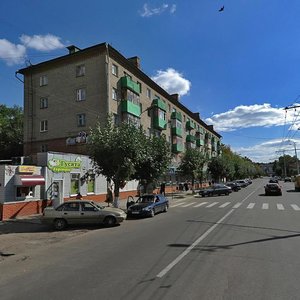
(21, 235)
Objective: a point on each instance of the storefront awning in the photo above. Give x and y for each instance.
(29, 180)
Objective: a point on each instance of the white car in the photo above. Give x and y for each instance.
(82, 212)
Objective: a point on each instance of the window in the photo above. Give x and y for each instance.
(81, 121)
(71, 206)
(43, 80)
(114, 94)
(140, 86)
(44, 148)
(44, 126)
(114, 70)
(75, 178)
(88, 207)
(169, 106)
(91, 183)
(25, 192)
(148, 93)
(156, 97)
(43, 103)
(80, 94)
(80, 70)
(116, 119)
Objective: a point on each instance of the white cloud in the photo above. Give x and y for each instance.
(148, 12)
(172, 81)
(267, 151)
(42, 42)
(257, 115)
(11, 53)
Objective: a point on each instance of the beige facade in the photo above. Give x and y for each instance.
(65, 96)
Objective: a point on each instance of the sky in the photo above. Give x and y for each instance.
(239, 68)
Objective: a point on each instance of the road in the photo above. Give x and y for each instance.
(241, 246)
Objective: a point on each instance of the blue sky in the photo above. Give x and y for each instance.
(239, 68)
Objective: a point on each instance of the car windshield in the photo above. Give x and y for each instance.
(99, 206)
(146, 199)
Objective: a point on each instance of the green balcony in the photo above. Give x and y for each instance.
(190, 138)
(177, 148)
(131, 108)
(159, 104)
(159, 123)
(176, 131)
(199, 142)
(176, 115)
(128, 83)
(190, 125)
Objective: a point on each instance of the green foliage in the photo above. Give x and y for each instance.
(192, 164)
(11, 131)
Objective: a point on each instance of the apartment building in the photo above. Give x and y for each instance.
(66, 96)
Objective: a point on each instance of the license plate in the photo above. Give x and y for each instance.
(135, 212)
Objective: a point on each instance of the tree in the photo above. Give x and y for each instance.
(218, 167)
(116, 150)
(192, 164)
(11, 131)
(154, 161)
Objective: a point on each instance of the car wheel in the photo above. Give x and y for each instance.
(60, 224)
(227, 193)
(109, 221)
(166, 208)
(210, 194)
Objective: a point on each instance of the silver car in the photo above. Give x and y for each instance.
(82, 212)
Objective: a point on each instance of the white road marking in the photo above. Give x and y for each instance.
(237, 205)
(280, 206)
(189, 204)
(202, 237)
(200, 204)
(224, 205)
(177, 204)
(265, 206)
(212, 204)
(295, 207)
(251, 205)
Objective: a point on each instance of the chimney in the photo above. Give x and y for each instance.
(175, 97)
(72, 49)
(136, 61)
(197, 115)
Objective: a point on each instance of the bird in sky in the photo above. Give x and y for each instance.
(221, 9)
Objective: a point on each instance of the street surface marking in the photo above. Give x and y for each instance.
(224, 205)
(200, 204)
(251, 205)
(265, 206)
(177, 204)
(189, 204)
(237, 205)
(280, 206)
(295, 207)
(212, 204)
(202, 237)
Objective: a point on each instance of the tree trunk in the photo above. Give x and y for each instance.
(116, 202)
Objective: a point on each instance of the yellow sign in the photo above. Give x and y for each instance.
(26, 169)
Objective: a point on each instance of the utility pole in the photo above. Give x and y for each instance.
(297, 162)
(284, 164)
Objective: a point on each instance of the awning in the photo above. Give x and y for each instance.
(29, 180)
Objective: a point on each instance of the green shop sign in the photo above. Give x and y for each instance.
(61, 165)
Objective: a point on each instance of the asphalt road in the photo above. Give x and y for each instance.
(241, 246)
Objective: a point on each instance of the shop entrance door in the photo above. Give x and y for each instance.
(57, 192)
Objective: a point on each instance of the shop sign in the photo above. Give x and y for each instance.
(26, 169)
(61, 165)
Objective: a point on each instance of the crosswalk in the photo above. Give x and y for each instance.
(252, 205)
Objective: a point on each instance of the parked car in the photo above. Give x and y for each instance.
(147, 206)
(242, 182)
(287, 179)
(234, 186)
(273, 189)
(216, 189)
(82, 212)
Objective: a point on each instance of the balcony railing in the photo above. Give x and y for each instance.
(127, 82)
(131, 108)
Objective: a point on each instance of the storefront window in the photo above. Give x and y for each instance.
(25, 191)
(91, 183)
(75, 183)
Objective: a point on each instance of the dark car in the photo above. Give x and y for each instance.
(287, 179)
(273, 188)
(273, 180)
(147, 206)
(217, 189)
(242, 182)
(234, 186)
